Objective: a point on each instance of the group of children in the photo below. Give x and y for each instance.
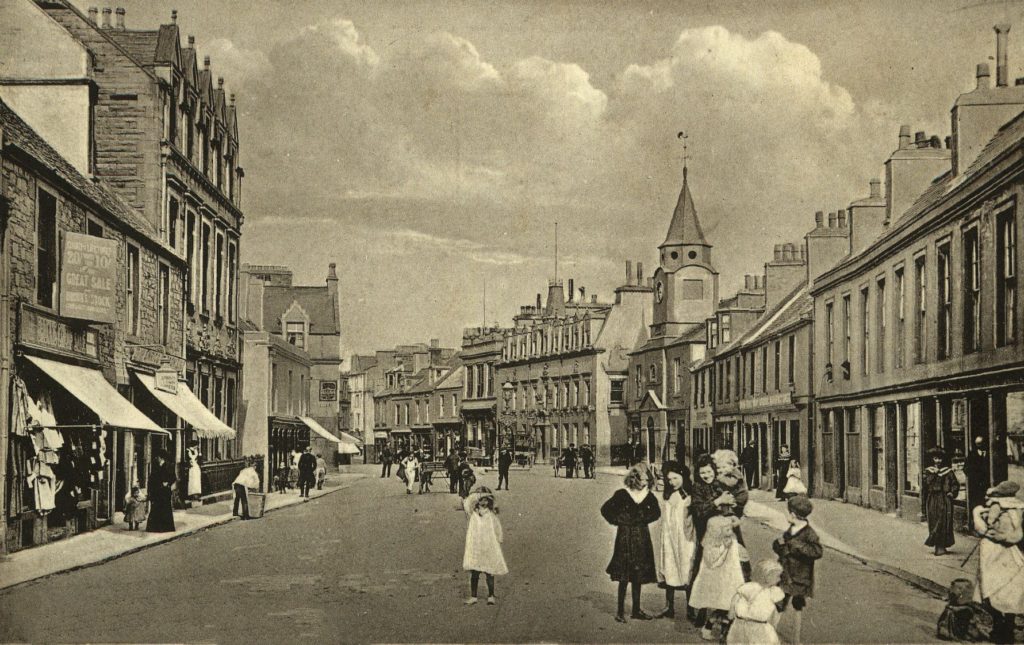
(702, 553)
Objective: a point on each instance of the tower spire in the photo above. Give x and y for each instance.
(685, 229)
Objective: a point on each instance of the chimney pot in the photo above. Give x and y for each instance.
(904, 136)
(191, 41)
(919, 139)
(818, 217)
(841, 219)
(949, 142)
(831, 219)
(174, 16)
(232, 98)
(120, 17)
(639, 274)
(106, 17)
(983, 76)
(747, 283)
(538, 301)
(593, 298)
(876, 187)
(94, 15)
(570, 289)
(220, 82)
(778, 252)
(629, 273)
(583, 294)
(936, 142)
(206, 62)
(1001, 66)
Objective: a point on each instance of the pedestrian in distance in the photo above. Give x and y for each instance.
(195, 471)
(451, 466)
(248, 479)
(385, 462)
(794, 482)
(410, 465)
(426, 478)
(678, 538)
(504, 465)
(754, 612)
(587, 458)
(570, 461)
(559, 460)
(161, 491)
(978, 472)
(307, 472)
(136, 508)
(720, 574)
(282, 479)
(1001, 568)
(798, 548)
(321, 471)
(748, 459)
(483, 543)
(939, 488)
(630, 510)
(467, 478)
(781, 469)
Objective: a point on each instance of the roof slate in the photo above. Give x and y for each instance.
(317, 302)
(685, 227)
(141, 45)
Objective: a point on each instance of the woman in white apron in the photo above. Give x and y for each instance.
(195, 472)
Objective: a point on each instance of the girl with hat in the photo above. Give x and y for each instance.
(483, 543)
(678, 539)
(938, 490)
(1001, 570)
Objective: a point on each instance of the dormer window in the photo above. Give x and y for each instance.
(295, 332)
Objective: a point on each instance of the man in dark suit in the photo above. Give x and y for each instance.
(385, 462)
(570, 461)
(978, 472)
(748, 459)
(587, 457)
(504, 464)
(307, 472)
(451, 466)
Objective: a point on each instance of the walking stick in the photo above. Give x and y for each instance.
(970, 554)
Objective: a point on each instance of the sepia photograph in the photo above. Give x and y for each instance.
(292, 290)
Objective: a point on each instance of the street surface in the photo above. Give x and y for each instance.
(372, 564)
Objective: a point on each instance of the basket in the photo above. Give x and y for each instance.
(257, 504)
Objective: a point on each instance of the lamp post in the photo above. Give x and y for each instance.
(507, 415)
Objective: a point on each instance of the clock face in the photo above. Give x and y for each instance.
(659, 291)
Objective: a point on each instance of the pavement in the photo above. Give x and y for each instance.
(115, 540)
(372, 564)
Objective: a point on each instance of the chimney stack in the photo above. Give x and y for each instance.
(94, 16)
(106, 18)
(538, 302)
(174, 16)
(206, 62)
(831, 219)
(583, 294)
(777, 253)
(876, 187)
(570, 289)
(983, 77)
(120, 17)
(191, 41)
(629, 273)
(593, 299)
(220, 83)
(841, 218)
(639, 274)
(818, 217)
(748, 284)
(920, 139)
(904, 137)
(1002, 72)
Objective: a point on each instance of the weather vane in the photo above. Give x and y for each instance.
(682, 135)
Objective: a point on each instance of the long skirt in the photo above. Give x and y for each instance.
(195, 480)
(939, 510)
(161, 516)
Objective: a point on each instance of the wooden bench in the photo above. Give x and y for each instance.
(428, 468)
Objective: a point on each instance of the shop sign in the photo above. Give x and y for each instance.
(166, 378)
(153, 357)
(328, 390)
(782, 399)
(44, 330)
(88, 278)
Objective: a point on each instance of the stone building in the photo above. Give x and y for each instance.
(446, 411)
(164, 136)
(481, 351)
(919, 332)
(84, 277)
(362, 376)
(562, 369)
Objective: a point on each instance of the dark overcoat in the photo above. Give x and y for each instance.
(633, 558)
(797, 554)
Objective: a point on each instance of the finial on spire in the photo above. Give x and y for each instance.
(686, 155)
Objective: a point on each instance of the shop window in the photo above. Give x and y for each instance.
(229, 416)
(876, 421)
(944, 334)
(46, 248)
(911, 457)
(132, 290)
(827, 448)
(1006, 278)
(972, 291)
(1014, 438)
(852, 448)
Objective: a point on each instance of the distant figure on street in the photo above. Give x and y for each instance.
(781, 470)
(1001, 568)
(978, 472)
(161, 490)
(321, 471)
(798, 549)
(136, 508)
(630, 510)
(637, 453)
(195, 471)
(794, 482)
(248, 479)
(570, 461)
(307, 472)
(748, 459)
(938, 490)
(587, 457)
(293, 473)
(467, 479)
(483, 543)
(451, 466)
(504, 465)
(385, 462)
(410, 465)
(282, 479)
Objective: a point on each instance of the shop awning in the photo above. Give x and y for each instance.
(401, 431)
(378, 434)
(345, 446)
(191, 410)
(347, 437)
(88, 386)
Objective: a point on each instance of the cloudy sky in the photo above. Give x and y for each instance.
(429, 147)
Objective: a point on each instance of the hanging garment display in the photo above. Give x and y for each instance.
(44, 485)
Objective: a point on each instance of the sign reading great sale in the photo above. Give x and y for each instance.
(88, 278)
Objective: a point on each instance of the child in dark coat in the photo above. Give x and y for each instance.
(631, 509)
(797, 549)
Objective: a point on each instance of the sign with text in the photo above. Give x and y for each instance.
(328, 390)
(88, 278)
(42, 329)
(166, 378)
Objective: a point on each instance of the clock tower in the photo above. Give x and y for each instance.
(686, 282)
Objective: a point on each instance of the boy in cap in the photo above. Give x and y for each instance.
(797, 549)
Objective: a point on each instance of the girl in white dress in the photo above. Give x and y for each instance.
(195, 471)
(754, 611)
(678, 539)
(483, 543)
(411, 464)
(720, 574)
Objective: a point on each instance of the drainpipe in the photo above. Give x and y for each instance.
(5, 346)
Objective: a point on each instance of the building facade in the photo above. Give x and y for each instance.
(481, 351)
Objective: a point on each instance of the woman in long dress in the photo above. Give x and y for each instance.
(939, 488)
(195, 472)
(161, 490)
(411, 464)
(678, 539)
(1001, 568)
